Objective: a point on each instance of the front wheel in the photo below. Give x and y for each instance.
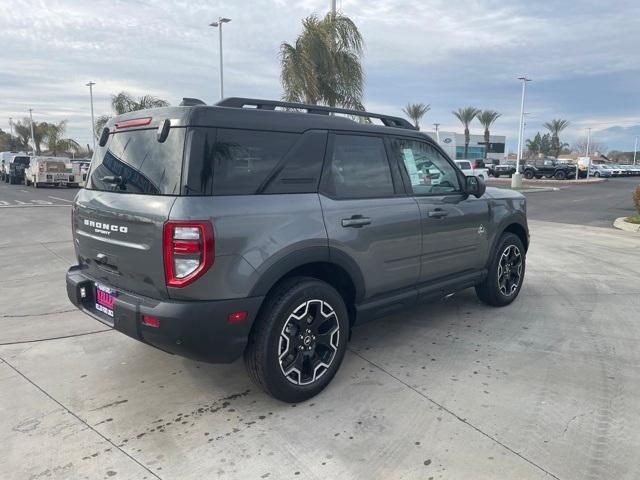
(528, 174)
(506, 273)
(597, 174)
(299, 339)
(560, 175)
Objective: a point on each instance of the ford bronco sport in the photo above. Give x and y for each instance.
(268, 229)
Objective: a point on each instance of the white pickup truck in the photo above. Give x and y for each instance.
(467, 168)
(50, 171)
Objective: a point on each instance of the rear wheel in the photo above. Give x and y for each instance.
(560, 175)
(299, 339)
(506, 273)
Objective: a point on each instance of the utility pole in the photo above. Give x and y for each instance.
(516, 179)
(333, 6)
(437, 125)
(93, 122)
(33, 138)
(635, 151)
(218, 24)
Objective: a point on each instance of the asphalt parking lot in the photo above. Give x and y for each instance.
(548, 387)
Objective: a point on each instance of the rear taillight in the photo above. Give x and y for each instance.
(188, 251)
(134, 122)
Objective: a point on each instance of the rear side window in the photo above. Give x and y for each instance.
(145, 165)
(358, 168)
(233, 162)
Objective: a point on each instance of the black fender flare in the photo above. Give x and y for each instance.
(299, 258)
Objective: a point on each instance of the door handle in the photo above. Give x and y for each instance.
(437, 213)
(356, 221)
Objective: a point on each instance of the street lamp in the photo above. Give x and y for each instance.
(218, 24)
(437, 125)
(33, 138)
(516, 179)
(93, 123)
(588, 157)
(11, 135)
(524, 128)
(635, 151)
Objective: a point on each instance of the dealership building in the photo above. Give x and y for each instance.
(453, 144)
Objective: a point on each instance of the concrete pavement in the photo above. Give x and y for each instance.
(548, 387)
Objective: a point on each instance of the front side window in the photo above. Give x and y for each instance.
(428, 170)
(358, 168)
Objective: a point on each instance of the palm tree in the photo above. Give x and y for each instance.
(124, 102)
(53, 135)
(415, 111)
(23, 131)
(486, 119)
(466, 116)
(323, 65)
(555, 127)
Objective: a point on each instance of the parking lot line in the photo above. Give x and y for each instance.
(62, 199)
(31, 205)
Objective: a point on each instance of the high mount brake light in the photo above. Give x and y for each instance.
(188, 248)
(134, 122)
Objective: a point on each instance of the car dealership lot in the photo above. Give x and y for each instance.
(548, 387)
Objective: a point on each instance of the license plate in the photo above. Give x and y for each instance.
(105, 297)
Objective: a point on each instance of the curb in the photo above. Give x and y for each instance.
(621, 224)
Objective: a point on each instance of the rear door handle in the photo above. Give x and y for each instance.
(438, 213)
(356, 221)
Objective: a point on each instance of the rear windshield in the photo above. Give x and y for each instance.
(55, 166)
(21, 160)
(145, 165)
(464, 165)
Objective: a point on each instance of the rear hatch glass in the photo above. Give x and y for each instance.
(55, 166)
(146, 166)
(21, 160)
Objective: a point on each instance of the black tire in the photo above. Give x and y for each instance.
(597, 174)
(36, 184)
(528, 174)
(270, 332)
(560, 175)
(492, 291)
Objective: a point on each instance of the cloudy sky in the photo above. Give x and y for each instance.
(582, 55)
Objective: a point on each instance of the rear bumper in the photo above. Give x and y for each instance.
(198, 330)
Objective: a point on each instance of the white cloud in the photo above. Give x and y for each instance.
(448, 54)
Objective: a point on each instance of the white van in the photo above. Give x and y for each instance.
(467, 168)
(54, 171)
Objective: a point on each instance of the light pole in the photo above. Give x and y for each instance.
(33, 138)
(635, 151)
(11, 134)
(333, 6)
(516, 179)
(437, 125)
(588, 157)
(93, 123)
(218, 24)
(524, 127)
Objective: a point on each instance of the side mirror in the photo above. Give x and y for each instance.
(475, 186)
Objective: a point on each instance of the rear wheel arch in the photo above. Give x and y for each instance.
(342, 274)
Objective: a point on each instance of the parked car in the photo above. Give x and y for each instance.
(52, 171)
(5, 159)
(549, 168)
(617, 170)
(80, 170)
(469, 170)
(15, 169)
(600, 170)
(271, 232)
(631, 170)
(508, 168)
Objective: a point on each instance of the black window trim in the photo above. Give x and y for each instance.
(396, 180)
(405, 175)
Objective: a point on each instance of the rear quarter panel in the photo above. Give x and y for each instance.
(252, 234)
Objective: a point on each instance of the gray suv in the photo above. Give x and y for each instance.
(269, 229)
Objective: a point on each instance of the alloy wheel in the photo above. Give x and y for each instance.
(509, 270)
(308, 342)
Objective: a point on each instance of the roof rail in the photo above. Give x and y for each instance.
(190, 102)
(238, 102)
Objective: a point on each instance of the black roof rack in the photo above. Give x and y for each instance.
(238, 102)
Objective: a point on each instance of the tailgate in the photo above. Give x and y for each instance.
(118, 239)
